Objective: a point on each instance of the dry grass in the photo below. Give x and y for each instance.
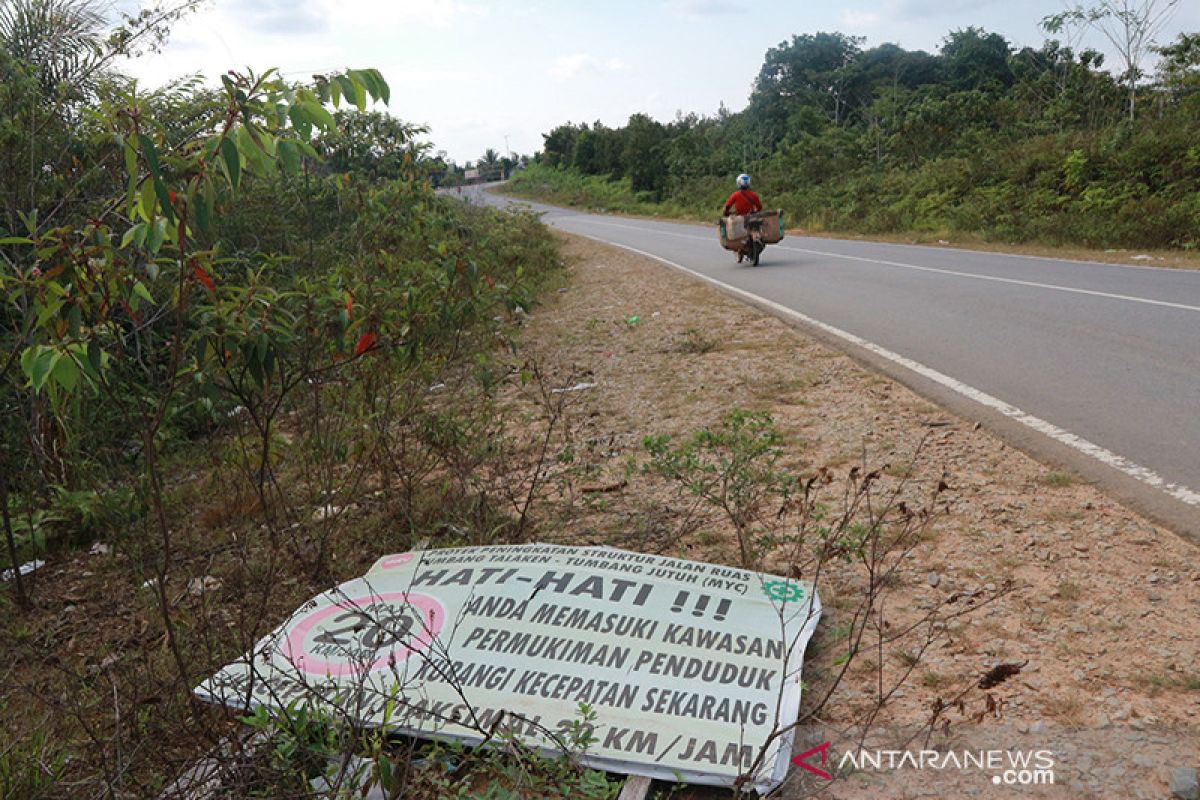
(1057, 480)
(1069, 708)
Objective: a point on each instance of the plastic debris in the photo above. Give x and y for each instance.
(579, 387)
(325, 512)
(25, 568)
(198, 586)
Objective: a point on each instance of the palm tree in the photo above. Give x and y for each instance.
(66, 43)
(489, 165)
(61, 41)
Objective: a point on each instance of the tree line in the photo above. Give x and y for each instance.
(1040, 143)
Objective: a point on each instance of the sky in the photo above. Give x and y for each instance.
(500, 73)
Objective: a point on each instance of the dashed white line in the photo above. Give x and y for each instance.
(1077, 443)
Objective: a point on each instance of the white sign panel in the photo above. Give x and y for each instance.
(689, 667)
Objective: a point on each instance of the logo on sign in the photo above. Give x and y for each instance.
(801, 760)
(783, 591)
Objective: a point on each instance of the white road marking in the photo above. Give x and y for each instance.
(1078, 443)
(998, 279)
(955, 249)
(917, 268)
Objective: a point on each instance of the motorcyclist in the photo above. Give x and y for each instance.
(743, 201)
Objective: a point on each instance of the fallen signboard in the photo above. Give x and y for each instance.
(690, 667)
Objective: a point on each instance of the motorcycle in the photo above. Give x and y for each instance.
(748, 235)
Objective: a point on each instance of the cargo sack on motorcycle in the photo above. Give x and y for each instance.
(772, 226)
(733, 232)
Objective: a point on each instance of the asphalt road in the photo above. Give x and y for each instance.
(1092, 366)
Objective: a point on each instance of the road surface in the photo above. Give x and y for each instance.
(1092, 366)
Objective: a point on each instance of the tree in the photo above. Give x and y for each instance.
(1179, 70)
(598, 150)
(558, 146)
(56, 60)
(1130, 27)
(811, 69)
(373, 144)
(62, 40)
(69, 42)
(643, 155)
(976, 59)
(1061, 88)
(881, 83)
(890, 66)
(489, 165)
(583, 155)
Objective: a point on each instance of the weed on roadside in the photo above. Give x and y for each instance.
(693, 341)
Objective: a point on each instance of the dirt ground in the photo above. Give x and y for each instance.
(1104, 606)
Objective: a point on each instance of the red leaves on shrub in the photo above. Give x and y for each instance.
(349, 306)
(204, 278)
(365, 343)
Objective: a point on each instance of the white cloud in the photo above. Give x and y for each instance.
(567, 67)
(709, 8)
(923, 9)
(856, 20)
(385, 17)
(278, 17)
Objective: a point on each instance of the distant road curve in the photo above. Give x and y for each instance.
(1092, 366)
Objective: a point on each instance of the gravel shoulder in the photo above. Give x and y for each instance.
(1104, 608)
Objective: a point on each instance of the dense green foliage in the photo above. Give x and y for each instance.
(223, 308)
(1017, 145)
(172, 255)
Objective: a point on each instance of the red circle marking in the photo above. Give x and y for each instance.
(433, 617)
